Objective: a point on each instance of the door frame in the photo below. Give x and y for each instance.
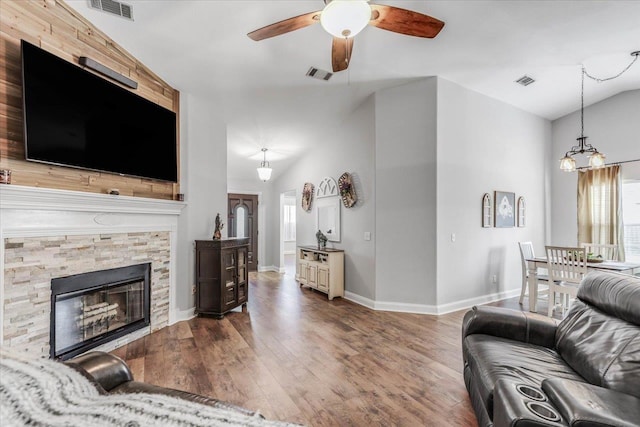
(261, 232)
(283, 194)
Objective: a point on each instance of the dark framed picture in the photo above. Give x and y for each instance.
(504, 209)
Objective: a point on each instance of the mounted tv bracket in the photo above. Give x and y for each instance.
(108, 72)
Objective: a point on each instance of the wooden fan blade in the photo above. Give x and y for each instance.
(285, 26)
(404, 21)
(341, 53)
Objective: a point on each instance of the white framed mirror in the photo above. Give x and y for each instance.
(328, 217)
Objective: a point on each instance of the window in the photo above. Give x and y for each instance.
(631, 219)
(289, 219)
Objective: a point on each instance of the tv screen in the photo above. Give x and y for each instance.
(75, 118)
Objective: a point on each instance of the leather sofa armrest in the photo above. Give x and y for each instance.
(511, 324)
(584, 404)
(106, 369)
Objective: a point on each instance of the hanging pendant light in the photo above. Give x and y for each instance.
(596, 158)
(264, 171)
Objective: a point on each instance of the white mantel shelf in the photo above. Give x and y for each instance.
(35, 198)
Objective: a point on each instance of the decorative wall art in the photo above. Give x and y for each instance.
(486, 210)
(521, 211)
(307, 196)
(504, 209)
(327, 188)
(347, 190)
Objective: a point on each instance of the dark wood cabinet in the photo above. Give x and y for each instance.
(221, 275)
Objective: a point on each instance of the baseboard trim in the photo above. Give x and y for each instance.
(262, 269)
(180, 315)
(369, 303)
(484, 299)
(426, 308)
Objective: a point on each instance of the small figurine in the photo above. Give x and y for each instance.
(219, 226)
(322, 240)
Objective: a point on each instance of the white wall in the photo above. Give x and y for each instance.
(485, 145)
(203, 144)
(612, 127)
(405, 193)
(347, 147)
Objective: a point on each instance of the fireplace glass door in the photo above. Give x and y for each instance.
(83, 316)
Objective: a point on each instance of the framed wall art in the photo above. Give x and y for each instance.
(521, 211)
(486, 210)
(504, 214)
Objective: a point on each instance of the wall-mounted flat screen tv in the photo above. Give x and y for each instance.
(75, 118)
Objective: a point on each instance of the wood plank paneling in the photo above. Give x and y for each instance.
(58, 28)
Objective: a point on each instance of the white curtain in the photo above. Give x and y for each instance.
(600, 207)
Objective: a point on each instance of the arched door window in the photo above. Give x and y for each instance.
(241, 221)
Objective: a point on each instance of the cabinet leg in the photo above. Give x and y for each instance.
(244, 307)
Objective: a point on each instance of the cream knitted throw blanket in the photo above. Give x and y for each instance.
(42, 392)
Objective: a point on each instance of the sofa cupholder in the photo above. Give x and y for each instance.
(531, 392)
(543, 411)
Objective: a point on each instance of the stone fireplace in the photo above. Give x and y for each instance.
(51, 234)
(89, 309)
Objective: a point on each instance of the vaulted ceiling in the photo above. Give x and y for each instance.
(264, 96)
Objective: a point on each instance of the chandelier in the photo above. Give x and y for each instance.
(264, 171)
(596, 158)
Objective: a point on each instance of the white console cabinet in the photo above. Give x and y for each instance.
(321, 269)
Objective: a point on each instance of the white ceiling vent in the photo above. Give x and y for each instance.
(114, 7)
(317, 73)
(525, 80)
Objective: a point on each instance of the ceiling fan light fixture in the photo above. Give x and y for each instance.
(345, 18)
(264, 171)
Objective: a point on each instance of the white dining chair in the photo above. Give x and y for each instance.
(567, 266)
(527, 252)
(608, 252)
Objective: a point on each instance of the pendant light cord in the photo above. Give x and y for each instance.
(599, 80)
(584, 73)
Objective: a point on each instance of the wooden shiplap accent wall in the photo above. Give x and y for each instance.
(56, 27)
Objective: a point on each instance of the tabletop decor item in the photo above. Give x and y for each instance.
(5, 176)
(307, 196)
(322, 240)
(347, 190)
(217, 235)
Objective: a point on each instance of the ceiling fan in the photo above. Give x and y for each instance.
(343, 19)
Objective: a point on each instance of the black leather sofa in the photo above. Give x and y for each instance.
(523, 369)
(112, 375)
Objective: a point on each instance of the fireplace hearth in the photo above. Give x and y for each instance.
(90, 309)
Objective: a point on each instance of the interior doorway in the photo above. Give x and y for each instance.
(243, 222)
(288, 231)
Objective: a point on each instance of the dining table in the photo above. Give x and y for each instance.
(533, 264)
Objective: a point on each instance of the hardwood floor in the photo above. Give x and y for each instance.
(298, 357)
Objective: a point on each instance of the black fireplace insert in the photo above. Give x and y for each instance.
(90, 309)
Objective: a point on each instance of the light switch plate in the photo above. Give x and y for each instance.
(367, 235)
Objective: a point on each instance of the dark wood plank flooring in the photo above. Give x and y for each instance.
(298, 357)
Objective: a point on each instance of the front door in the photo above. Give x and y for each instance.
(243, 222)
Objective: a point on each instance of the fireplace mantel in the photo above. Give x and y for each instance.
(47, 215)
(28, 198)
